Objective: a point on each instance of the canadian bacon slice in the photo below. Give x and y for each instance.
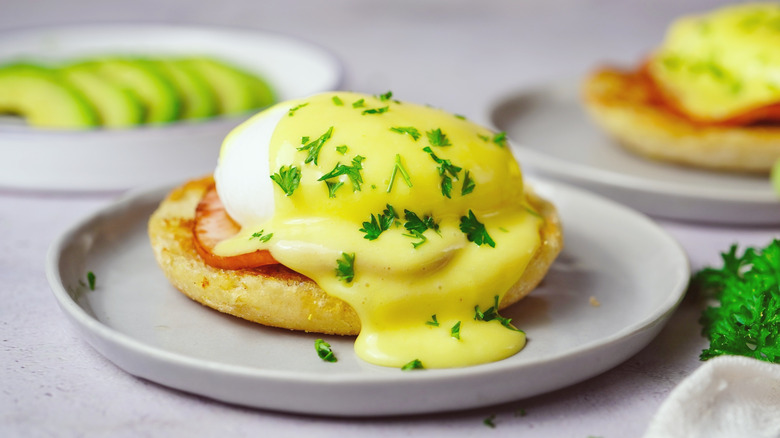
(213, 225)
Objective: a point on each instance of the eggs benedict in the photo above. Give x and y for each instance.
(709, 96)
(353, 214)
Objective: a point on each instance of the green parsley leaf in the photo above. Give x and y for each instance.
(437, 138)
(292, 110)
(415, 223)
(475, 230)
(433, 322)
(468, 184)
(746, 318)
(460, 116)
(352, 172)
(345, 270)
(315, 146)
(447, 171)
(500, 139)
(304, 139)
(360, 103)
(455, 330)
(520, 412)
(399, 167)
(489, 421)
(288, 178)
(332, 187)
(324, 351)
(413, 365)
(337, 101)
(381, 110)
(492, 314)
(91, 280)
(484, 138)
(342, 149)
(412, 131)
(379, 223)
(416, 235)
(261, 237)
(386, 96)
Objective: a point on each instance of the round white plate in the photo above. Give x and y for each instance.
(636, 271)
(111, 160)
(555, 138)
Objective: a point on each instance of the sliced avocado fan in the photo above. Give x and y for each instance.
(237, 91)
(197, 96)
(43, 99)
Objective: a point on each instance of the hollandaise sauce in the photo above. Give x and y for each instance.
(719, 65)
(412, 215)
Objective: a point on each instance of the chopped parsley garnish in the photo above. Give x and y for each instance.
(386, 96)
(337, 101)
(360, 103)
(460, 116)
(345, 270)
(379, 223)
(304, 139)
(433, 322)
(489, 421)
(332, 187)
(413, 365)
(381, 110)
(91, 280)
(746, 319)
(492, 314)
(261, 237)
(417, 226)
(399, 167)
(288, 178)
(455, 330)
(447, 171)
(342, 149)
(475, 230)
(500, 139)
(468, 184)
(292, 110)
(412, 131)
(437, 138)
(324, 351)
(314, 146)
(352, 172)
(417, 235)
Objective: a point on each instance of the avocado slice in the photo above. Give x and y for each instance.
(197, 96)
(117, 107)
(37, 94)
(140, 77)
(237, 91)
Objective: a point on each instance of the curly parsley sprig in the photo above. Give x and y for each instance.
(746, 318)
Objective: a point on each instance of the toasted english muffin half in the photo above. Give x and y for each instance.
(276, 296)
(622, 104)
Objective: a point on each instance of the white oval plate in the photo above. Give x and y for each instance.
(112, 160)
(636, 271)
(554, 138)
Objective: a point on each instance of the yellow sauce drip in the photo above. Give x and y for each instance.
(397, 288)
(723, 63)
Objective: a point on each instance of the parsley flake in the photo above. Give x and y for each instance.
(345, 270)
(337, 101)
(292, 110)
(433, 322)
(475, 230)
(360, 103)
(468, 184)
(500, 139)
(447, 171)
(261, 237)
(314, 146)
(437, 138)
(91, 280)
(413, 365)
(324, 351)
(417, 226)
(332, 187)
(399, 167)
(412, 131)
(386, 96)
(342, 149)
(455, 331)
(489, 421)
(352, 172)
(381, 110)
(288, 178)
(492, 314)
(379, 223)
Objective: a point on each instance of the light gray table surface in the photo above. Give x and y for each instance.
(459, 55)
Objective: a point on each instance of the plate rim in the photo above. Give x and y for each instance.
(91, 326)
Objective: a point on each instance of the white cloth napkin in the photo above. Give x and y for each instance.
(727, 397)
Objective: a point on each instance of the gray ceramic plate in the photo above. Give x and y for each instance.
(635, 270)
(556, 139)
